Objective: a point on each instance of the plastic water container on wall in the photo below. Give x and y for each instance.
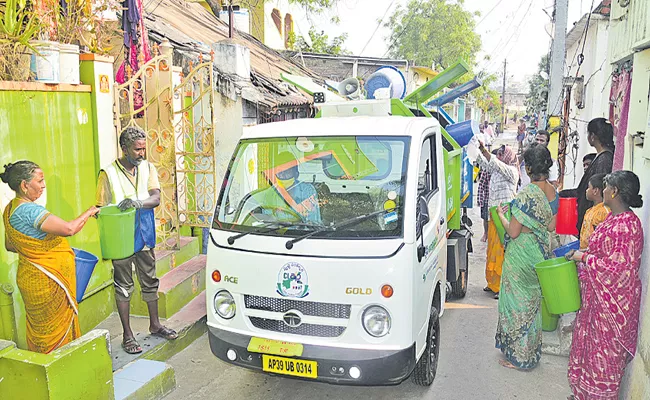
(69, 63)
(386, 77)
(45, 62)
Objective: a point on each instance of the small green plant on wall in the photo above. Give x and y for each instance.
(18, 26)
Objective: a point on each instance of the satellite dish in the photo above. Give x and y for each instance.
(351, 88)
(544, 75)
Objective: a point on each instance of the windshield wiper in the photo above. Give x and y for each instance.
(271, 225)
(342, 224)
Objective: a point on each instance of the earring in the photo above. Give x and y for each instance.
(613, 196)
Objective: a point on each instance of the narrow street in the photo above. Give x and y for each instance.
(468, 366)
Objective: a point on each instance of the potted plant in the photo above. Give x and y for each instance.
(81, 23)
(18, 26)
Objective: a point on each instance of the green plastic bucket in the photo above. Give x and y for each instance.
(549, 321)
(501, 231)
(116, 232)
(560, 287)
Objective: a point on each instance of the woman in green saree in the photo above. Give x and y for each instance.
(529, 236)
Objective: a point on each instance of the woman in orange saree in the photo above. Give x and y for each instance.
(46, 266)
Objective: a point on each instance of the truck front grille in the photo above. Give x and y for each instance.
(304, 329)
(312, 308)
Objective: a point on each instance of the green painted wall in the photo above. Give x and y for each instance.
(79, 370)
(55, 130)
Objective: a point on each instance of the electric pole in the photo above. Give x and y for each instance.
(558, 56)
(504, 117)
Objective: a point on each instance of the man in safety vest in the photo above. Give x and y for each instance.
(132, 182)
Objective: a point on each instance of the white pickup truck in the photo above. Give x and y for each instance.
(331, 249)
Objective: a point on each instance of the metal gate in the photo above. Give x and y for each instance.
(195, 146)
(179, 125)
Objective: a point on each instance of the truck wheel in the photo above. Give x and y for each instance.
(459, 288)
(426, 367)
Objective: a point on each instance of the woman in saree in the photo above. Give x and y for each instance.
(46, 265)
(504, 176)
(606, 327)
(519, 327)
(600, 135)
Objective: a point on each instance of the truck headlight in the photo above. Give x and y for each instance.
(224, 304)
(376, 321)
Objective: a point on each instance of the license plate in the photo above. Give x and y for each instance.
(288, 366)
(275, 347)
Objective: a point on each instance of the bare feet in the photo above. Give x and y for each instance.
(506, 363)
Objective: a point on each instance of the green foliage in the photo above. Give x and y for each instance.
(536, 98)
(18, 24)
(320, 43)
(314, 6)
(433, 32)
(487, 99)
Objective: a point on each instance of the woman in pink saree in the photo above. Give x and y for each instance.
(606, 328)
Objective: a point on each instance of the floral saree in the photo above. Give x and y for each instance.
(605, 333)
(519, 328)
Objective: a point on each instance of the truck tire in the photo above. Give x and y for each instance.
(459, 288)
(426, 367)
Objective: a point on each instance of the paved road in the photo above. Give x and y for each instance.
(467, 369)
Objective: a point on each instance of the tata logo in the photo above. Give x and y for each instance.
(292, 319)
(366, 291)
(231, 279)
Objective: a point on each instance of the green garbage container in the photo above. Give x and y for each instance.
(116, 232)
(560, 286)
(501, 230)
(549, 321)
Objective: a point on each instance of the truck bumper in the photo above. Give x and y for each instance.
(378, 367)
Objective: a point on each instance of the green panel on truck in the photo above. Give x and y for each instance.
(452, 154)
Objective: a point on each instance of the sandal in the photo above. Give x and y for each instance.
(496, 295)
(165, 333)
(507, 364)
(487, 289)
(131, 346)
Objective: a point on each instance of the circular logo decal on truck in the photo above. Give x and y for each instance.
(293, 281)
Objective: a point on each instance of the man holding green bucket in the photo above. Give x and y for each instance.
(132, 182)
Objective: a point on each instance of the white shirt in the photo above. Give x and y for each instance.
(553, 173)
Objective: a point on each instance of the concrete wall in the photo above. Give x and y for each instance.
(80, 370)
(629, 37)
(229, 114)
(637, 382)
(273, 37)
(596, 71)
(55, 129)
(630, 28)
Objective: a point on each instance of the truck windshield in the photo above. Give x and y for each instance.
(310, 183)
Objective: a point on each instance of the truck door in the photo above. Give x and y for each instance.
(428, 234)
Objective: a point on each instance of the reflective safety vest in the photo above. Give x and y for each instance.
(123, 188)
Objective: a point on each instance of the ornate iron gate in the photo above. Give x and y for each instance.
(195, 145)
(179, 124)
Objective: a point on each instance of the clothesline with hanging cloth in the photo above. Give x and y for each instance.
(136, 44)
(619, 108)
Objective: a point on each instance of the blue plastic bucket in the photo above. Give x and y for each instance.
(85, 264)
(463, 132)
(561, 251)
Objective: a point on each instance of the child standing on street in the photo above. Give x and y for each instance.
(596, 214)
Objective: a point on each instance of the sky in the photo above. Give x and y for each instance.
(512, 29)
